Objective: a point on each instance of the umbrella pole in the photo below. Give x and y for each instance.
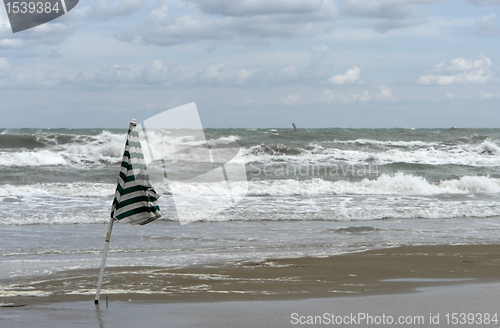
(104, 255)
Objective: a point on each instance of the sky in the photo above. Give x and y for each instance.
(257, 64)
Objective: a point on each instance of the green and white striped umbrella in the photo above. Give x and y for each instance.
(135, 199)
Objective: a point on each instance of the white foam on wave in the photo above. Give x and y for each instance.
(483, 154)
(32, 158)
(51, 218)
(398, 196)
(58, 190)
(351, 208)
(399, 183)
(396, 184)
(415, 143)
(105, 147)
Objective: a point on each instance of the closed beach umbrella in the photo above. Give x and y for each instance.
(135, 199)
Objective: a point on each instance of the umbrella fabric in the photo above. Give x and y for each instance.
(135, 199)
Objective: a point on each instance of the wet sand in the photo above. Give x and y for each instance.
(385, 271)
(433, 307)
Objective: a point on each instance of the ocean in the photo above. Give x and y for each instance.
(311, 192)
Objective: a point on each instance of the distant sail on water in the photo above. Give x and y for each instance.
(294, 126)
(204, 177)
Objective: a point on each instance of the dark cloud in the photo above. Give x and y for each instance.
(385, 15)
(262, 7)
(104, 10)
(238, 20)
(52, 33)
(486, 26)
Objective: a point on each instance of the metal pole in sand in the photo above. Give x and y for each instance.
(104, 255)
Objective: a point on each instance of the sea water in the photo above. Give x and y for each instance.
(311, 192)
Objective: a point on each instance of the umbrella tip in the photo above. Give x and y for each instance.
(133, 121)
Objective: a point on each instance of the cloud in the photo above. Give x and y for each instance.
(450, 96)
(290, 100)
(104, 10)
(484, 3)
(488, 95)
(214, 73)
(110, 76)
(155, 73)
(116, 74)
(218, 73)
(4, 68)
(385, 15)
(289, 72)
(485, 26)
(4, 65)
(319, 48)
(234, 20)
(351, 76)
(384, 94)
(329, 96)
(160, 28)
(57, 31)
(261, 7)
(460, 71)
(36, 79)
(54, 32)
(243, 74)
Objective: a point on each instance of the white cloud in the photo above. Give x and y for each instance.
(462, 64)
(154, 74)
(242, 75)
(384, 94)
(214, 73)
(290, 100)
(460, 71)
(329, 96)
(351, 76)
(116, 74)
(485, 26)
(488, 95)
(289, 72)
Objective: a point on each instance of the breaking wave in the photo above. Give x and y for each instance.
(399, 184)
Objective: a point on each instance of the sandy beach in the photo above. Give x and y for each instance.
(375, 272)
(416, 281)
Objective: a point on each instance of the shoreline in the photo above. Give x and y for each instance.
(399, 270)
